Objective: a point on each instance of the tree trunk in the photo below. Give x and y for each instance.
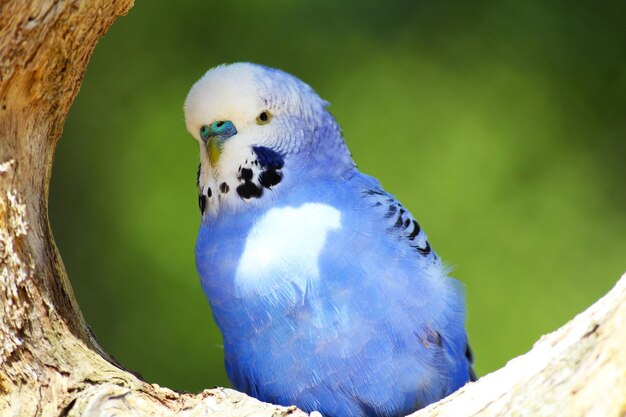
(50, 365)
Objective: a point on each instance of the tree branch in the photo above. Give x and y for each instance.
(50, 365)
(578, 370)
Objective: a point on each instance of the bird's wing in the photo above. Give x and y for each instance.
(399, 221)
(383, 313)
(421, 274)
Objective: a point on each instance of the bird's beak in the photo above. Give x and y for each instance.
(214, 147)
(217, 134)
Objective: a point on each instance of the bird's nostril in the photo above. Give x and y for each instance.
(219, 124)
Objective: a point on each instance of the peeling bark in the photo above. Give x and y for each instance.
(50, 364)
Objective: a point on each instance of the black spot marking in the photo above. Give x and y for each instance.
(249, 190)
(425, 250)
(198, 175)
(202, 203)
(407, 222)
(224, 188)
(209, 192)
(246, 174)
(270, 178)
(416, 230)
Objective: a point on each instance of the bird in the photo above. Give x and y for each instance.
(325, 288)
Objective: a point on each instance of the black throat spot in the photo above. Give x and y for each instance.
(246, 174)
(270, 178)
(249, 190)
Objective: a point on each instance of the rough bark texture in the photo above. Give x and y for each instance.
(50, 365)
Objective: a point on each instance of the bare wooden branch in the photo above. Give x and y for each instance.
(50, 365)
(578, 370)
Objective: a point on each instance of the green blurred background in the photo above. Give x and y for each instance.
(504, 133)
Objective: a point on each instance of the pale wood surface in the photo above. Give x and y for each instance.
(578, 370)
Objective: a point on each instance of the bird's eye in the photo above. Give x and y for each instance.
(204, 131)
(264, 118)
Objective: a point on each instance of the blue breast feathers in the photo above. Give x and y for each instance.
(338, 294)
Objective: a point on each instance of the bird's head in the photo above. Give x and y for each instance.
(250, 120)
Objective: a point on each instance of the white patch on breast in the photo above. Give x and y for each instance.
(282, 250)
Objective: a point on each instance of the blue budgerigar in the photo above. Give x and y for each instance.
(325, 288)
